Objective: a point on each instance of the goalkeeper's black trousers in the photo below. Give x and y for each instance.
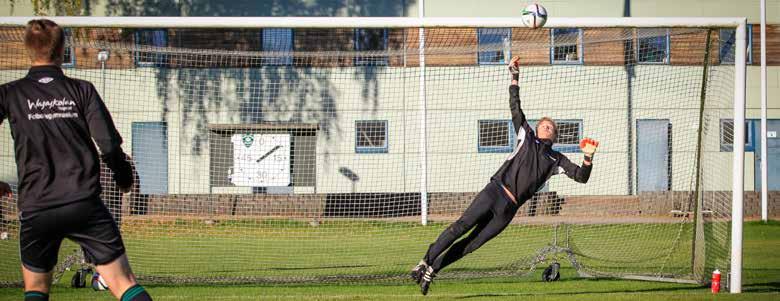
(488, 215)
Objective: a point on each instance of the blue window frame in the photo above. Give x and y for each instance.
(495, 136)
(652, 45)
(371, 136)
(566, 46)
(493, 43)
(727, 38)
(373, 43)
(278, 41)
(727, 135)
(569, 135)
(150, 38)
(69, 57)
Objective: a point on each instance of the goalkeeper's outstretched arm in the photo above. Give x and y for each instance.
(518, 117)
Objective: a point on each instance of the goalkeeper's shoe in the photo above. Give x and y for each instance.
(427, 278)
(418, 271)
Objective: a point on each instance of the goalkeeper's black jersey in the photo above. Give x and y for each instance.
(533, 160)
(53, 120)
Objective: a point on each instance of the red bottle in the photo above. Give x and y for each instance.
(715, 281)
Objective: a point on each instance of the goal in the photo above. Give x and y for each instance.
(278, 150)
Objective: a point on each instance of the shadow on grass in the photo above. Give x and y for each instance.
(765, 287)
(676, 287)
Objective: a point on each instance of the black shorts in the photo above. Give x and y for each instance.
(88, 223)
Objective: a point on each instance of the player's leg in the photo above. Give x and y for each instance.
(502, 211)
(40, 237)
(478, 209)
(121, 281)
(36, 284)
(477, 238)
(457, 248)
(102, 243)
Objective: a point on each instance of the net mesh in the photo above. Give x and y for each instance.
(295, 155)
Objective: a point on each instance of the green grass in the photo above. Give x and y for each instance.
(761, 271)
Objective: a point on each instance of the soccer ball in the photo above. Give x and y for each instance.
(534, 15)
(98, 283)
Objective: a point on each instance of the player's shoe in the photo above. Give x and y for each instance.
(418, 271)
(427, 278)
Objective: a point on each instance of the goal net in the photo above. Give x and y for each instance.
(277, 155)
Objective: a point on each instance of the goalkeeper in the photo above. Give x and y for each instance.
(524, 172)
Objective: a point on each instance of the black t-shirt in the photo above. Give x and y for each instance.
(54, 120)
(533, 161)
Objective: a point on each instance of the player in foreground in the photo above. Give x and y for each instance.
(54, 120)
(524, 172)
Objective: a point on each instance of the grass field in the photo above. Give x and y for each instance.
(761, 279)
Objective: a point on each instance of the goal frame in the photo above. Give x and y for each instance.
(739, 23)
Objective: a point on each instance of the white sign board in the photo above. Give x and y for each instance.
(261, 160)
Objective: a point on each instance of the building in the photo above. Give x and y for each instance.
(182, 145)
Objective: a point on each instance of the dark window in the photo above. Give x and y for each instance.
(727, 135)
(278, 43)
(145, 40)
(371, 136)
(372, 45)
(495, 136)
(493, 42)
(566, 44)
(69, 58)
(652, 45)
(727, 39)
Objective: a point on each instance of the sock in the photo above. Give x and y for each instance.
(136, 293)
(35, 296)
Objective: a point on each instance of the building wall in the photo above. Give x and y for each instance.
(396, 93)
(455, 103)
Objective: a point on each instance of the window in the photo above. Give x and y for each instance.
(652, 45)
(727, 39)
(495, 136)
(150, 38)
(371, 136)
(727, 135)
(373, 45)
(569, 135)
(493, 42)
(69, 58)
(150, 154)
(566, 46)
(279, 42)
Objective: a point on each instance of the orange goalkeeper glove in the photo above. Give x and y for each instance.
(588, 147)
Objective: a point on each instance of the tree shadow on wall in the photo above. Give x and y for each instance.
(254, 92)
(264, 8)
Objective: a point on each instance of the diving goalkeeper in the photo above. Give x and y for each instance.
(524, 172)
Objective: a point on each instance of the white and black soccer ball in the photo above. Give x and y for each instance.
(98, 283)
(534, 15)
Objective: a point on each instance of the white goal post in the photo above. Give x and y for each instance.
(383, 22)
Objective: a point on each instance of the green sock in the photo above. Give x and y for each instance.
(35, 296)
(136, 293)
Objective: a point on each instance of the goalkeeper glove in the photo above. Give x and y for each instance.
(514, 66)
(588, 147)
